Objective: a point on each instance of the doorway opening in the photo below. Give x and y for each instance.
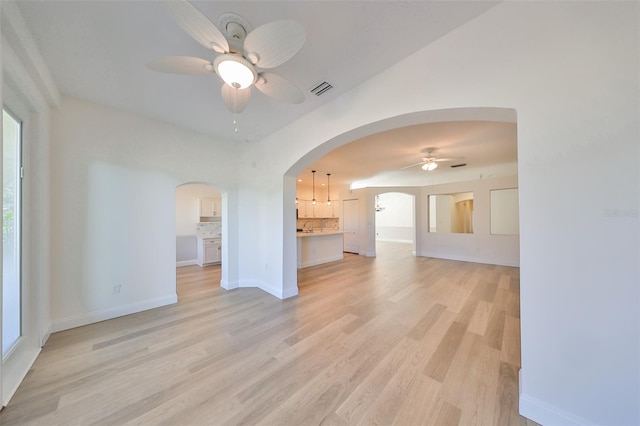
(395, 223)
(198, 238)
(461, 134)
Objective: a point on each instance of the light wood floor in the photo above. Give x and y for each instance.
(387, 340)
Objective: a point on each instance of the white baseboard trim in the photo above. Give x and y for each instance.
(186, 263)
(276, 292)
(45, 336)
(321, 261)
(548, 415)
(228, 285)
(500, 262)
(105, 314)
(287, 293)
(7, 397)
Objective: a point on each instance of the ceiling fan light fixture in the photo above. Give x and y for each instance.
(429, 166)
(235, 70)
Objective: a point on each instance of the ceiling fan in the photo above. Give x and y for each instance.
(242, 54)
(430, 163)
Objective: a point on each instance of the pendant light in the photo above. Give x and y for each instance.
(313, 187)
(328, 189)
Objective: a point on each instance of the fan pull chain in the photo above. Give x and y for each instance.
(235, 109)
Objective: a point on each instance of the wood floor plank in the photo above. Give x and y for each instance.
(394, 339)
(422, 327)
(478, 394)
(448, 415)
(505, 412)
(440, 362)
(495, 329)
(419, 405)
(480, 319)
(356, 406)
(511, 341)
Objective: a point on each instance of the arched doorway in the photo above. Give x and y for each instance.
(366, 231)
(198, 237)
(395, 226)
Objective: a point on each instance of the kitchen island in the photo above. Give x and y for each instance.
(320, 246)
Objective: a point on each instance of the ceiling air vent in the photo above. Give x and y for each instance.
(321, 88)
(458, 165)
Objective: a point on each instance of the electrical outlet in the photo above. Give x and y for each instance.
(116, 289)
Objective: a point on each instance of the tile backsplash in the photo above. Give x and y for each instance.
(208, 229)
(318, 223)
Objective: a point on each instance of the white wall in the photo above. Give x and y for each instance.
(570, 70)
(114, 178)
(479, 246)
(505, 213)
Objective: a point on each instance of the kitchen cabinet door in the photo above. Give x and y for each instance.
(209, 251)
(322, 210)
(209, 207)
(212, 253)
(328, 210)
(302, 210)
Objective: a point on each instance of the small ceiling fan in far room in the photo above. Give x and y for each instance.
(430, 163)
(242, 54)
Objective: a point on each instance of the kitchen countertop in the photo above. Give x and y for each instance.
(319, 233)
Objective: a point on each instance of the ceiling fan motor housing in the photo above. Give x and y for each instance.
(236, 29)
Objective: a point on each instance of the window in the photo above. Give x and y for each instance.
(11, 251)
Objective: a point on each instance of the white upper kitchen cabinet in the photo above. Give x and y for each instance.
(209, 207)
(303, 209)
(325, 211)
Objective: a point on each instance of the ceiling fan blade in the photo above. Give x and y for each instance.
(279, 88)
(198, 26)
(274, 43)
(412, 165)
(236, 100)
(449, 159)
(182, 65)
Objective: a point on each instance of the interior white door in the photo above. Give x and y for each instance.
(350, 227)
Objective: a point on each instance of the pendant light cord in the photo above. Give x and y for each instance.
(313, 187)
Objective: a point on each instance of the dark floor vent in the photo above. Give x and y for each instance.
(321, 88)
(459, 165)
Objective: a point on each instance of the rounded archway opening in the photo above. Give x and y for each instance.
(199, 238)
(365, 238)
(394, 223)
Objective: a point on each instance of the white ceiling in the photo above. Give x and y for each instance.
(98, 51)
(382, 159)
